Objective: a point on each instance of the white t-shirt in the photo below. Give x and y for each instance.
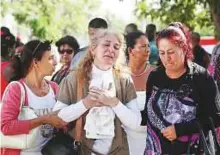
(41, 106)
(141, 98)
(137, 138)
(104, 80)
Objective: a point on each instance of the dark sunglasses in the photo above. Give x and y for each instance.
(68, 51)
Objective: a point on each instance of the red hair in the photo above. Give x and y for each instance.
(178, 34)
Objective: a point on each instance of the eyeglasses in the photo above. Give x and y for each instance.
(68, 51)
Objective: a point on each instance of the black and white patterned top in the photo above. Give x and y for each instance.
(177, 102)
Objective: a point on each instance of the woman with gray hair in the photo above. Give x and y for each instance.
(108, 103)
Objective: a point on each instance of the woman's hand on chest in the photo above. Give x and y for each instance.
(104, 97)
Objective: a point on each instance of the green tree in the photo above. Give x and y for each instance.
(51, 19)
(197, 14)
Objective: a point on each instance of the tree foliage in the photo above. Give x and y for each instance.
(195, 14)
(54, 18)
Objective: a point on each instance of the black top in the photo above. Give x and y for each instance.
(180, 102)
(60, 74)
(200, 56)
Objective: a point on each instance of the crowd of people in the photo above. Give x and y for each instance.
(141, 93)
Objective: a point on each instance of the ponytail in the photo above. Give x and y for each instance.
(85, 67)
(16, 66)
(21, 62)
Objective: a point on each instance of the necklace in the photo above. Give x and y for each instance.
(138, 75)
(42, 91)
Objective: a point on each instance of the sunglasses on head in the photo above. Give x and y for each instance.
(68, 51)
(43, 45)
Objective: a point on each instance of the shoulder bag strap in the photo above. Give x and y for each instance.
(78, 129)
(202, 135)
(22, 94)
(214, 135)
(22, 100)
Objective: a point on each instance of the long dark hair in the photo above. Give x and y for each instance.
(32, 50)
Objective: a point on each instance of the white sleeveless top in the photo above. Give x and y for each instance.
(137, 138)
(41, 106)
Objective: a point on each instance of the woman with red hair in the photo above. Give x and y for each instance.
(179, 93)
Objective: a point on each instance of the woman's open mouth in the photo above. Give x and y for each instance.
(108, 56)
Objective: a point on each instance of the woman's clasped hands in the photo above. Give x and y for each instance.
(99, 97)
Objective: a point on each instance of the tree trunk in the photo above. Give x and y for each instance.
(215, 14)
